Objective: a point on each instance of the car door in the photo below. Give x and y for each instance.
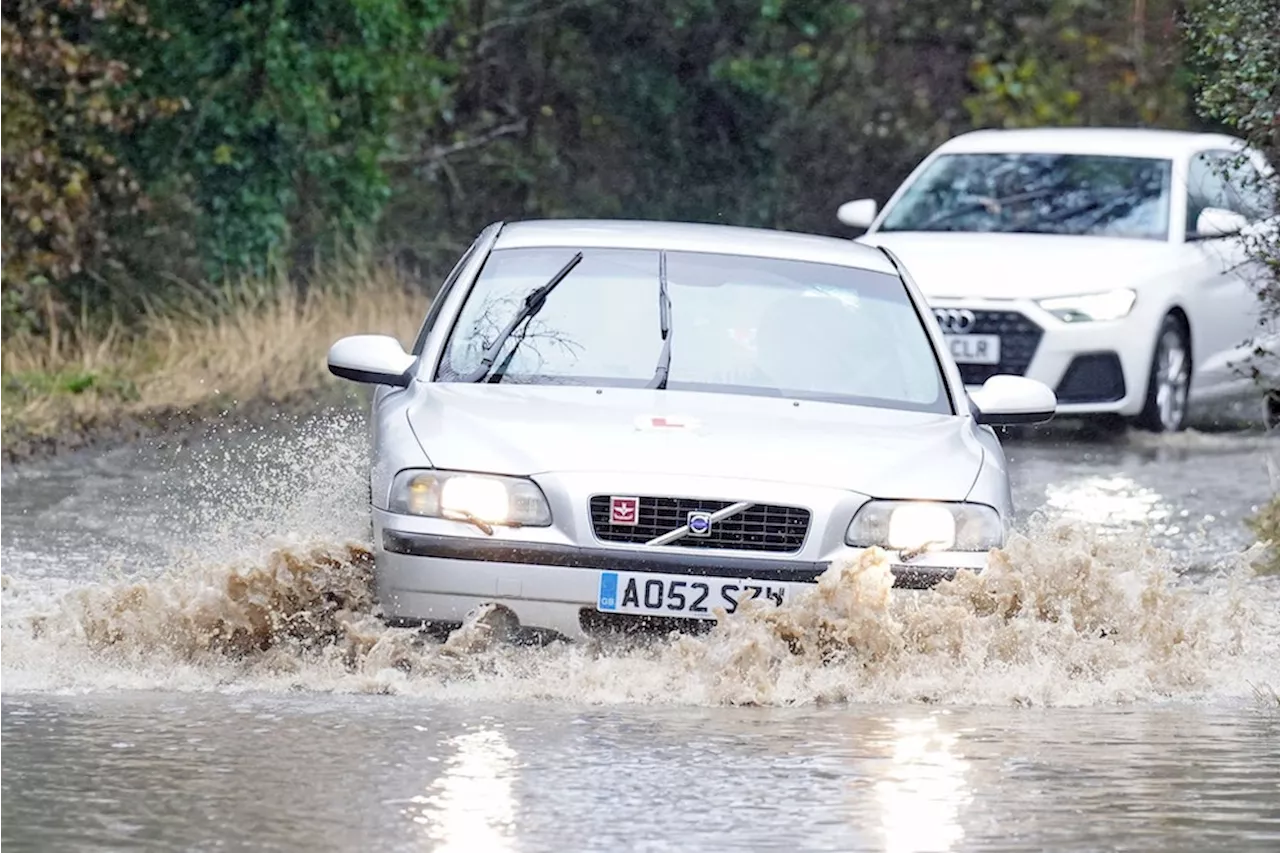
(1222, 296)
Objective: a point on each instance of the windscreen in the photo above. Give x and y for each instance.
(738, 324)
(1074, 194)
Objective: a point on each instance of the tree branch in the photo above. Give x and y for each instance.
(437, 153)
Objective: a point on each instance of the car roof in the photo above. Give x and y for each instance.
(691, 237)
(1126, 142)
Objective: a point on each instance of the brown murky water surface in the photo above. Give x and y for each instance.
(191, 661)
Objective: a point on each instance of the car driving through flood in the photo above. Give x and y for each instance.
(602, 422)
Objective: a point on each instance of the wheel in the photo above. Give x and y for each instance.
(1170, 379)
(1271, 410)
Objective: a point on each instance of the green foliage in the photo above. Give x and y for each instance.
(1235, 51)
(20, 387)
(67, 106)
(1072, 62)
(759, 112)
(289, 126)
(292, 108)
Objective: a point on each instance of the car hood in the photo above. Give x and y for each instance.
(529, 430)
(1024, 266)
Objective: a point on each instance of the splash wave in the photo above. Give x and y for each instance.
(1062, 616)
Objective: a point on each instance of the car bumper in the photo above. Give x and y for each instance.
(433, 577)
(1094, 368)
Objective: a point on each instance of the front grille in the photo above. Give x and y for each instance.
(1019, 337)
(759, 527)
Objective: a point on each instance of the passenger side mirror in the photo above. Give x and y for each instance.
(1013, 400)
(371, 359)
(857, 214)
(1217, 222)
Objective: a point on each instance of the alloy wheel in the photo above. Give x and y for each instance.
(1173, 380)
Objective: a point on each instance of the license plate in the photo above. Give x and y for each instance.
(685, 596)
(975, 349)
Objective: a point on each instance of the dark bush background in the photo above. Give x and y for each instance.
(154, 146)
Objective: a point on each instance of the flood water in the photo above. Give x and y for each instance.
(191, 661)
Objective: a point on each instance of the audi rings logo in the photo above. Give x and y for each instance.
(955, 321)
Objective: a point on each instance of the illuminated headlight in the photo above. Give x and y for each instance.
(924, 525)
(510, 501)
(1092, 307)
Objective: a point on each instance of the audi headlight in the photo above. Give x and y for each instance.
(926, 525)
(1091, 307)
(510, 501)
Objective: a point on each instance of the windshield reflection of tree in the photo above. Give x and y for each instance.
(1042, 193)
(740, 324)
(525, 346)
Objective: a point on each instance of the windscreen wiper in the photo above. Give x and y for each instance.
(532, 305)
(990, 204)
(659, 380)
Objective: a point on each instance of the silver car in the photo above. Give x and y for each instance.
(603, 424)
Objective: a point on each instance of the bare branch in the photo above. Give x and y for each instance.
(533, 17)
(437, 153)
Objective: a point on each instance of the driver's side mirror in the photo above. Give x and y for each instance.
(371, 359)
(857, 214)
(1012, 400)
(1218, 222)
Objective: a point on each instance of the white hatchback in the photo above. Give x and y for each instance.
(1109, 264)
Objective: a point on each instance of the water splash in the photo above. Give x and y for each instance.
(1060, 617)
(1065, 615)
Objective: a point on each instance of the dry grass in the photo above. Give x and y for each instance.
(259, 340)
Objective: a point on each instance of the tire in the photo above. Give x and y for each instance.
(1271, 410)
(1169, 382)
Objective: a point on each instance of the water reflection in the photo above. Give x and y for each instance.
(472, 806)
(925, 790)
(1114, 500)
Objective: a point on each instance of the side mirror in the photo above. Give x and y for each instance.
(1216, 222)
(1010, 400)
(373, 359)
(857, 214)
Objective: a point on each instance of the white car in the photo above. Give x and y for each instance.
(1108, 264)
(604, 422)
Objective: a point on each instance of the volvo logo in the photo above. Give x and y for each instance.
(955, 321)
(699, 523)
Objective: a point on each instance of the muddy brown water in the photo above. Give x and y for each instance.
(191, 661)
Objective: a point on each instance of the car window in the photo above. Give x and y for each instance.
(437, 301)
(1074, 194)
(739, 325)
(1229, 181)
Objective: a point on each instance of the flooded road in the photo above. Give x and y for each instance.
(190, 661)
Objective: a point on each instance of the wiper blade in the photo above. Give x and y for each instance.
(659, 380)
(532, 305)
(992, 205)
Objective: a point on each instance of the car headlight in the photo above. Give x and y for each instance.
(510, 501)
(1091, 307)
(926, 525)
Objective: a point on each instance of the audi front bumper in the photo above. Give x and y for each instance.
(1093, 367)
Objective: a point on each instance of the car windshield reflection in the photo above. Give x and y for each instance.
(739, 324)
(1074, 194)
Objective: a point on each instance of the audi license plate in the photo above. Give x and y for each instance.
(685, 596)
(975, 349)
